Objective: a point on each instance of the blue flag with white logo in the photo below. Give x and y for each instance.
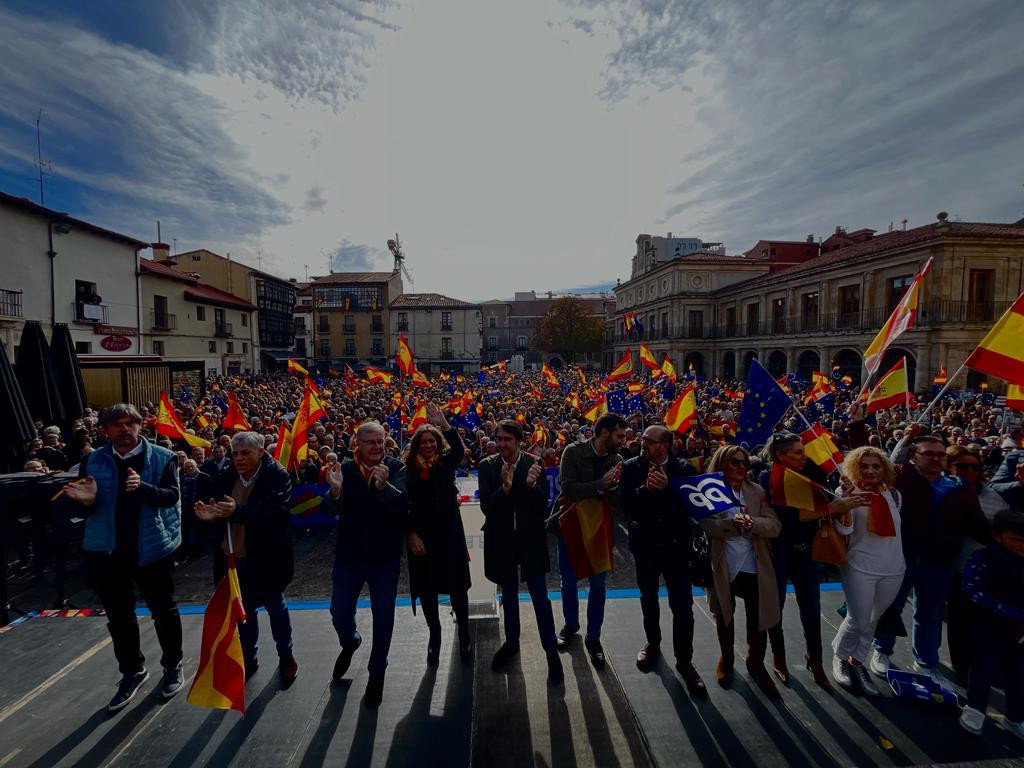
(704, 495)
(764, 403)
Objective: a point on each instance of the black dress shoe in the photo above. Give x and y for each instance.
(503, 656)
(466, 652)
(345, 659)
(565, 636)
(434, 648)
(555, 674)
(288, 670)
(694, 683)
(374, 691)
(647, 656)
(596, 652)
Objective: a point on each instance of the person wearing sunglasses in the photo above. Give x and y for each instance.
(741, 566)
(938, 512)
(966, 464)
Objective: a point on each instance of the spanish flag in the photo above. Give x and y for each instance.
(582, 375)
(234, 419)
(168, 424)
(942, 378)
(891, 389)
(418, 418)
(596, 411)
(1001, 352)
(683, 412)
(220, 679)
(635, 388)
(294, 367)
(282, 444)
(404, 357)
(540, 436)
(623, 370)
(549, 376)
(574, 401)
(901, 319)
(647, 358)
(791, 489)
(1015, 397)
(668, 369)
(378, 376)
(820, 448)
(419, 379)
(202, 420)
(586, 527)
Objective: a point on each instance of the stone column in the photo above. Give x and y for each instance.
(923, 374)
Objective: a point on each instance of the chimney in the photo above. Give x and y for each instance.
(669, 235)
(161, 252)
(550, 295)
(810, 239)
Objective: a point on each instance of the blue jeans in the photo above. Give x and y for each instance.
(541, 607)
(571, 598)
(796, 565)
(277, 610)
(931, 585)
(348, 579)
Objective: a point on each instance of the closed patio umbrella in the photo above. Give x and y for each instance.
(38, 380)
(69, 373)
(18, 428)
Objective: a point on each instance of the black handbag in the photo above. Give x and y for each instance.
(700, 560)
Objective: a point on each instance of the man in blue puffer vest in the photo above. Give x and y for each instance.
(133, 525)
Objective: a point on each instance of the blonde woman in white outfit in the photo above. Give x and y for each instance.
(874, 565)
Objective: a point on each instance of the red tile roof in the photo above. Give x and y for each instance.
(165, 270)
(207, 293)
(432, 300)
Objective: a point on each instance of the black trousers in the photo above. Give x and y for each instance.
(460, 605)
(114, 579)
(651, 564)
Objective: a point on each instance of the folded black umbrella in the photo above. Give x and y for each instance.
(70, 386)
(14, 415)
(38, 380)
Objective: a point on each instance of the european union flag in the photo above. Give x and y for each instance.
(668, 392)
(219, 401)
(565, 388)
(635, 404)
(394, 420)
(763, 405)
(185, 397)
(481, 378)
(615, 399)
(468, 420)
(319, 380)
(823, 407)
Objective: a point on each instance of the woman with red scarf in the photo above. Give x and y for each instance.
(438, 558)
(874, 565)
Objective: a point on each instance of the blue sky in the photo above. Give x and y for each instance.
(513, 146)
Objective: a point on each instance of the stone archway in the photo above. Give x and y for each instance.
(729, 365)
(777, 363)
(748, 360)
(807, 363)
(697, 360)
(850, 364)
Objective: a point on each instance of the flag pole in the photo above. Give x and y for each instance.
(906, 372)
(941, 392)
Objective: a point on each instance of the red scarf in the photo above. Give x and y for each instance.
(424, 465)
(880, 520)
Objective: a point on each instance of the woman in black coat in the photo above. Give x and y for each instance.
(438, 558)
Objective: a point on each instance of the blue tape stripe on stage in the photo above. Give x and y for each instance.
(524, 597)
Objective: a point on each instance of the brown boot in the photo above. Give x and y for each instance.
(759, 674)
(727, 644)
(818, 673)
(780, 669)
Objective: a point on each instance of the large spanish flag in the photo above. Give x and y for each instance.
(378, 376)
(623, 370)
(404, 357)
(901, 319)
(647, 358)
(220, 679)
(791, 489)
(586, 527)
(168, 424)
(820, 448)
(234, 419)
(549, 375)
(891, 390)
(683, 412)
(1001, 352)
(295, 367)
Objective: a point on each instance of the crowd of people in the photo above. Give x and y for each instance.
(931, 510)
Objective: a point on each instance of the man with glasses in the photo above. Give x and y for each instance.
(368, 494)
(660, 540)
(938, 512)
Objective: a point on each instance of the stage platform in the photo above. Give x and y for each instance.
(58, 673)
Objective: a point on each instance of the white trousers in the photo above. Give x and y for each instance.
(867, 597)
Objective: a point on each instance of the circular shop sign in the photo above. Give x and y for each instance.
(116, 343)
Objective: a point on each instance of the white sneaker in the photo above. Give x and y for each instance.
(841, 672)
(937, 677)
(880, 663)
(972, 721)
(1017, 729)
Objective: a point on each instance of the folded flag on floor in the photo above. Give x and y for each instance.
(220, 679)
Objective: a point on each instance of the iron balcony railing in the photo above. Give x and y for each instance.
(224, 329)
(163, 321)
(89, 313)
(10, 303)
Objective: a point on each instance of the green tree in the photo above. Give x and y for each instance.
(569, 327)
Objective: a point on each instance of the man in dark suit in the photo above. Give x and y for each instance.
(217, 462)
(368, 494)
(513, 498)
(660, 540)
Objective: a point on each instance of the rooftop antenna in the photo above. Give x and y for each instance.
(174, 246)
(158, 231)
(259, 260)
(306, 268)
(395, 246)
(904, 225)
(44, 167)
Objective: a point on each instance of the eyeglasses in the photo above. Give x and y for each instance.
(739, 462)
(968, 466)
